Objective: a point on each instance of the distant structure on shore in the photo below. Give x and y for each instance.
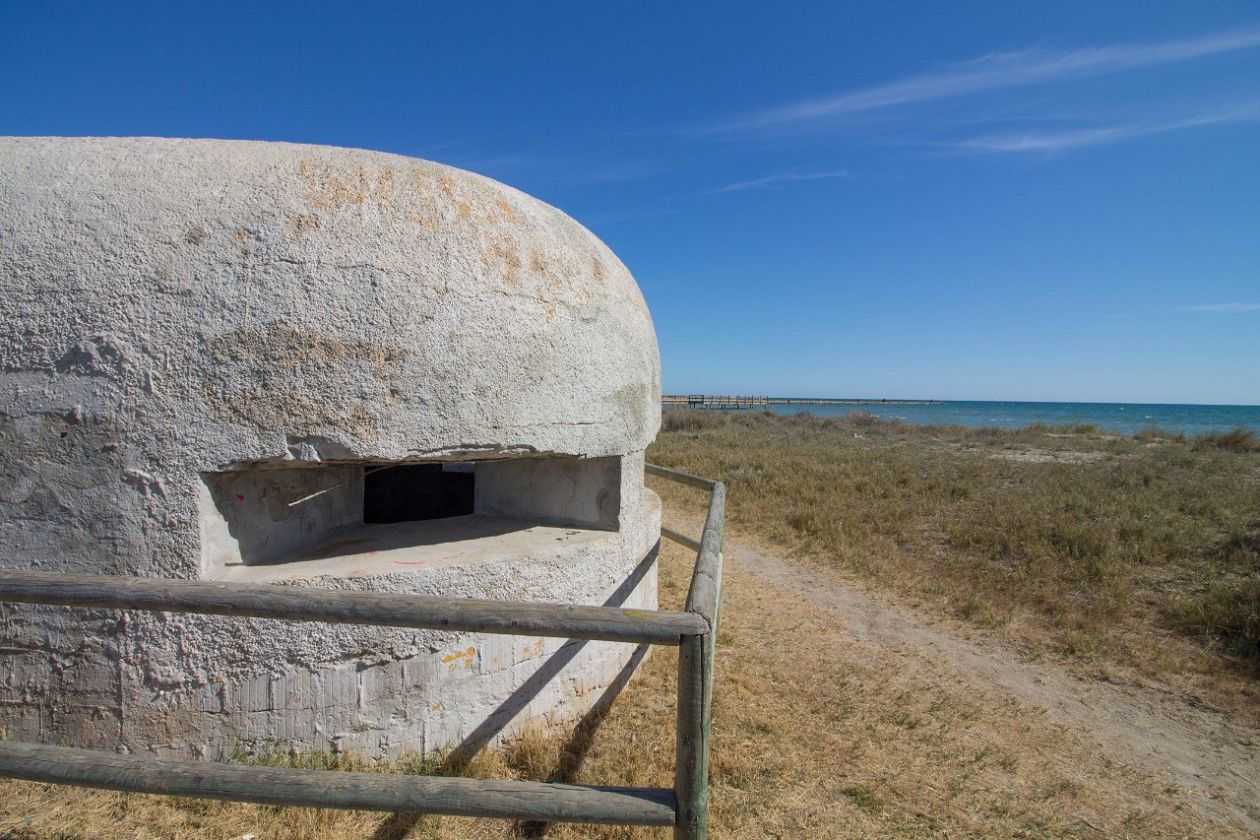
(735, 403)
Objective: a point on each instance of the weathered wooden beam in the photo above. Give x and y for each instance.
(680, 538)
(334, 789)
(704, 596)
(691, 768)
(305, 603)
(695, 676)
(684, 478)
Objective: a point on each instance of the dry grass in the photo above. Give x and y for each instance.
(1228, 613)
(817, 738)
(1132, 556)
(1237, 440)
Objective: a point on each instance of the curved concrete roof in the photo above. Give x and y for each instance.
(256, 300)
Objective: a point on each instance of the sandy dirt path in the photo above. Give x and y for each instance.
(1210, 755)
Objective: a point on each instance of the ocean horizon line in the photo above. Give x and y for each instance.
(1191, 419)
(959, 400)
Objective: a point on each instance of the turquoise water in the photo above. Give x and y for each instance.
(1125, 418)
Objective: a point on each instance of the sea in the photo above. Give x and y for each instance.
(1124, 418)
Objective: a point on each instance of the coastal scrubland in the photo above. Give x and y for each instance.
(1135, 555)
(1128, 563)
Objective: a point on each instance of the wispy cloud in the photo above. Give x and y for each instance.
(1223, 307)
(778, 178)
(988, 73)
(1054, 141)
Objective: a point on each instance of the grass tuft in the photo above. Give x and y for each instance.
(1154, 434)
(1228, 613)
(1075, 428)
(1237, 440)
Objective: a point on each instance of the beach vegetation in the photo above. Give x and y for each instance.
(1236, 440)
(1154, 434)
(1078, 427)
(1097, 548)
(1227, 613)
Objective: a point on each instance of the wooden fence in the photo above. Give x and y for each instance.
(693, 630)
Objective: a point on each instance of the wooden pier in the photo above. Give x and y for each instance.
(728, 402)
(735, 403)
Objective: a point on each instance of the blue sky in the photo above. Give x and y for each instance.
(1041, 201)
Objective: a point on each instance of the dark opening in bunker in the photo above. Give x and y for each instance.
(416, 492)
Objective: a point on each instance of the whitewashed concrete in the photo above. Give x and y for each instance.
(177, 308)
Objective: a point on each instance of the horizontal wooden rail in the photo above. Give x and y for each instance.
(705, 594)
(682, 477)
(509, 800)
(305, 603)
(680, 538)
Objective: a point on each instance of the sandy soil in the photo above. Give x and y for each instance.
(1209, 755)
(1033, 455)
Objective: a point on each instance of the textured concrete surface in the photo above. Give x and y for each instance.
(174, 309)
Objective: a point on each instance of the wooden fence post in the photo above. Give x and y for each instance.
(691, 771)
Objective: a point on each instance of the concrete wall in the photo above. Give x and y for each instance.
(249, 517)
(579, 491)
(412, 692)
(381, 693)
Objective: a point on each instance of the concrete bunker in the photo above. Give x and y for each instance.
(310, 367)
